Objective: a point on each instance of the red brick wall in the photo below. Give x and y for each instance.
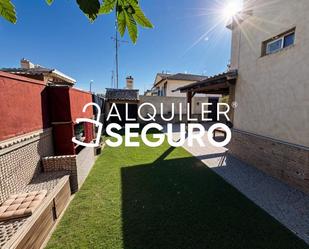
(22, 105)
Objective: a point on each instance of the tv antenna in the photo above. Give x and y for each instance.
(117, 41)
(113, 79)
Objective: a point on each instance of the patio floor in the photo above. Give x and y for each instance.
(150, 198)
(288, 205)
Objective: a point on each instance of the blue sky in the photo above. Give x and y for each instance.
(61, 37)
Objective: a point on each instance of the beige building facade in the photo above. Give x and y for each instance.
(165, 84)
(270, 51)
(268, 89)
(272, 91)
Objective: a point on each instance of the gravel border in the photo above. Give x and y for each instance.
(286, 204)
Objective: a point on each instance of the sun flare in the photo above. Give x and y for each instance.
(231, 9)
(217, 16)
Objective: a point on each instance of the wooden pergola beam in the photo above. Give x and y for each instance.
(189, 101)
(219, 81)
(209, 87)
(218, 92)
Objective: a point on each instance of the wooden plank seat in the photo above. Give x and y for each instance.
(31, 231)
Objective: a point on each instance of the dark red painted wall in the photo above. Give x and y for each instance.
(28, 105)
(66, 105)
(63, 144)
(22, 105)
(59, 104)
(88, 132)
(78, 99)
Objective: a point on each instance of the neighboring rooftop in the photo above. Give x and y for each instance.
(190, 77)
(50, 76)
(179, 76)
(122, 94)
(214, 82)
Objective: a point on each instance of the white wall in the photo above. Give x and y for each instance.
(173, 85)
(273, 91)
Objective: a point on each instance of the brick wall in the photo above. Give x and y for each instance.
(78, 166)
(20, 160)
(287, 162)
(63, 163)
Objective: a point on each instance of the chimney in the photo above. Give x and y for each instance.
(26, 64)
(130, 82)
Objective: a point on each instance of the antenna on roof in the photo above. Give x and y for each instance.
(165, 72)
(113, 79)
(116, 52)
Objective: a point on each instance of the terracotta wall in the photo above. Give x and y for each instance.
(22, 106)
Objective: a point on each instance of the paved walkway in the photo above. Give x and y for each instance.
(288, 205)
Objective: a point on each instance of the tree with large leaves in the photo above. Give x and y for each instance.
(128, 13)
(7, 10)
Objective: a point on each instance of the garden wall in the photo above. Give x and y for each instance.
(66, 105)
(23, 106)
(78, 166)
(20, 160)
(285, 161)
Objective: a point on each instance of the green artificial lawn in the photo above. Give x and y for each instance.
(159, 198)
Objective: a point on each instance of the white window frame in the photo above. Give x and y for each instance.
(292, 32)
(272, 42)
(282, 38)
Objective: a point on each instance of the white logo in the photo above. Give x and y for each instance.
(234, 104)
(95, 122)
(188, 130)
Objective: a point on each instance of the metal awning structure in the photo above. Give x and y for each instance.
(218, 84)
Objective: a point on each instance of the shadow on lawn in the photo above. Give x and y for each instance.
(180, 203)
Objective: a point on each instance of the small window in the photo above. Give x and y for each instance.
(165, 89)
(274, 46)
(279, 42)
(289, 40)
